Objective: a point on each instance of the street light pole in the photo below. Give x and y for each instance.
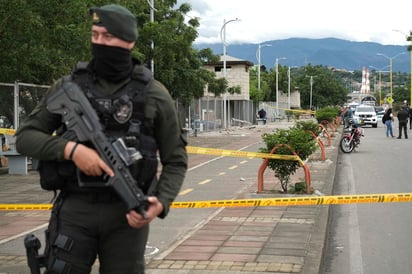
(289, 87)
(409, 38)
(259, 60)
(390, 71)
(310, 98)
(223, 38)
(277, 83)
(380, 88)
(380, 81)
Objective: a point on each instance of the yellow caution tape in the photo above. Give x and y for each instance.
(213, 151)
(7, 131)
(25, 206)
(300, 201)
(239, 153)
(295, 110)
(286, 201)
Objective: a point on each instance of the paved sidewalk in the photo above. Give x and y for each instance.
(233, 240)
(259, 239)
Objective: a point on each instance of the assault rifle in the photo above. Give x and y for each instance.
(79, 116)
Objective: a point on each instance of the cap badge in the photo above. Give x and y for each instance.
(96, 18)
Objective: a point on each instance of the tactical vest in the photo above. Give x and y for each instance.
(122, 116)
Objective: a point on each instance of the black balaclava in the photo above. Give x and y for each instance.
(112, 63)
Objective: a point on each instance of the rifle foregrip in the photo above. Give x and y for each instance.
(129, 192)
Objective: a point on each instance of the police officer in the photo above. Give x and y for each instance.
(403, 116)
(90, 222)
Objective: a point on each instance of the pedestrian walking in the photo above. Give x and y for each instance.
(387, 119)
(403, 116)
(88, 220)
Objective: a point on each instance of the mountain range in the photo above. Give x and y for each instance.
(330, 52)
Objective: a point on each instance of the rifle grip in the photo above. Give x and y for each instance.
(142, 209)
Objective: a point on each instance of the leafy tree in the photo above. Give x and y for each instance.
(177, 64)
(283, 82)
(234, 89)
(218, 86)
(43, 39)
(327, 90)
(329, 87)
(263, 94)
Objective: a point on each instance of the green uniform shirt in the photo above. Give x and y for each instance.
(35, 137)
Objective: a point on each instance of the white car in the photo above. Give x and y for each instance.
(380, 111)
(367, 114)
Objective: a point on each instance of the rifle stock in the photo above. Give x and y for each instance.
(79, 116)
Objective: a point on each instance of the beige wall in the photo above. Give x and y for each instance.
(294, 99)
(236, 75)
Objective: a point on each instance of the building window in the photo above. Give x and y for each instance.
(220, 68)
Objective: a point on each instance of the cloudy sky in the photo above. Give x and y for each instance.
(265, 20)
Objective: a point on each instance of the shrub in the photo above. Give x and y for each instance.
(327, 114)
(300, 141)
(309, 125)
(298, 188)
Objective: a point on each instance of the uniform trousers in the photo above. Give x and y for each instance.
(98, 227)
(403, 126)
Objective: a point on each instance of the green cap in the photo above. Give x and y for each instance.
(118, 21)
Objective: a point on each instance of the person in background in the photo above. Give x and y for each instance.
(93, 221)
(348, 115)
(342, 114)
(403, 116)
(387, 119)
(262, 115)
(405, 104)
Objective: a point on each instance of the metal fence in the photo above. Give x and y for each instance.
(207, 114)
(272, 113)
(17, 101)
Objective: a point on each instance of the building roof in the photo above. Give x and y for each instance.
(230, 60)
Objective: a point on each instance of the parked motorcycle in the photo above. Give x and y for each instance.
(351, 138)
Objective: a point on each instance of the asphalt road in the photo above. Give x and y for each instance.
(372, 238)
